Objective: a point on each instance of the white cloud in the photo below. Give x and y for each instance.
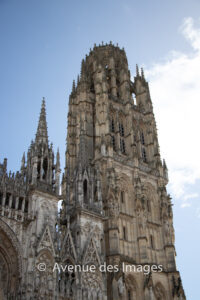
(191, 33)
(190, 196)
(175, 91)
(183, 205)
(187, 199)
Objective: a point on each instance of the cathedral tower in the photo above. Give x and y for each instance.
(116, 209)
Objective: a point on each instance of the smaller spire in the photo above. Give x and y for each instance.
(83, 70)
(78, 80)
(137, 71)
(58, 160)
(142, 73)
(41, 135)
(82, 67)
(164, 164)
(23, 161)
(73, 87)
(5, 164)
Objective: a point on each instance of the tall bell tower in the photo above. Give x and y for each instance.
(116, 209)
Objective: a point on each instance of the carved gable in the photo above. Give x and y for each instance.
(46, 241)
(68, 249)
(91, 254)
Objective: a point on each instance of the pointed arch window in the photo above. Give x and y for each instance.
(26, 206)
(142, 138)
(20, 203)
(121, 129)
(122, 146)
(124, 233)
(45, 168)
(148, 205)
(159, 292)
(121, 133)
(112, 125)
(85, 191)
(92, 90)
(122, 196)
(7, 199)
(13, 202)
(129, 295)
(118, 87)
(113, 142)
(144, 155)
(38, 169)
(112, 130)
(67, 281)
(152, 242)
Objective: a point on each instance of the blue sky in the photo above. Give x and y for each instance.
(42, 43)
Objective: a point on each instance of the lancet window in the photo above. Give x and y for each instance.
(121, 133)
(143, 147)
(112, 131)
(85, 191)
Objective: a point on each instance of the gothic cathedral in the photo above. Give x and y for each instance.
(116, 215)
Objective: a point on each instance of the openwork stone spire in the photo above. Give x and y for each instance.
(41, 135)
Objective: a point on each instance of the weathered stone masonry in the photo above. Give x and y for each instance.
(115, 209)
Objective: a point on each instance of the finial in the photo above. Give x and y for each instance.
(78, 80)
(58, 160)
(164, 164)
(23, 161)
(5, 164)
(142, 73)
(137, 70)
(73, 87)
(83, 70)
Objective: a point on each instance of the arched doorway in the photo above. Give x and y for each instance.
(10, 263)
(4, 275)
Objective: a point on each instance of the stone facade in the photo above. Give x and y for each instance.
(115, 210)
(28, 214)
